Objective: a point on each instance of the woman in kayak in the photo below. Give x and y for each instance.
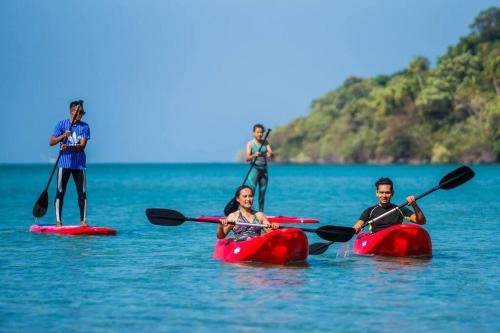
(384, 194)
(245, 214)
(258, 176)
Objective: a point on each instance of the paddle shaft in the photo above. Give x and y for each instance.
(399, 207)
(59, 156)
(53, 170)
(193, 219)
(246, 224)
(218, 222)
(320, 231)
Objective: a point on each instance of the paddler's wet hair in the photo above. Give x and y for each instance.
(241, 188)
(384, 181)
(258, 126)
(76, 103)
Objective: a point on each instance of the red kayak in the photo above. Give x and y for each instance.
(280, 246)
(402, 240)
(72, 230)
(272, 219)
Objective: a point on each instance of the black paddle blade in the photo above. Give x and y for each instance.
(335, 234)
(456, 178)
(319, 248)
(231, 206)
(41, 205)
(166, 217)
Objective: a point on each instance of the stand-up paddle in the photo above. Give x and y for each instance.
(172, 218)
(232, 205)
(42, 203)
(453, 179)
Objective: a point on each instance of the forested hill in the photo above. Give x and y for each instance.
(446, 114)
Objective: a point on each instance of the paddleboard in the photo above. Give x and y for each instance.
(72, 230)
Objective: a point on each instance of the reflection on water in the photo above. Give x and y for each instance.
(395, 273)
(398, 263)
(259, 274)
(291, 265)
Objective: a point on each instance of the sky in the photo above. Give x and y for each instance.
(185, 81)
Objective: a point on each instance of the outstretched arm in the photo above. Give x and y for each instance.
(418, 217)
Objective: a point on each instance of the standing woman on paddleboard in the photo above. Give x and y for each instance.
(245, 214)
(259, 175)
(72, 160)
(384, 192)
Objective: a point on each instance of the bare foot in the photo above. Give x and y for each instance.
(83, 224)
(59, 224)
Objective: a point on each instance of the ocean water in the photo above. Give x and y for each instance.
(155, 278)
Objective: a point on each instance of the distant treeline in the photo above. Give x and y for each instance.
(446, 114)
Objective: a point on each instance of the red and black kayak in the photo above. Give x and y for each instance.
(72, 230)
(280, 246)
(272, 219)
(402, 240)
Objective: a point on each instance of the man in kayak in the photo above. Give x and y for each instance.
(384, 194)
(73, 160)
(245, 214)
(258, 176)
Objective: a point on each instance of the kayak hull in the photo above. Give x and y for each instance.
(72, 230)
(280, 246)
(402, 240)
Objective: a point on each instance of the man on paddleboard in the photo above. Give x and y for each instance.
(258, 176)
(72, 140)
(384, 192)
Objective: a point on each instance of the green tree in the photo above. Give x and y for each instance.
(446, 114)
(487, 25)
(419, 66)
(492, 65)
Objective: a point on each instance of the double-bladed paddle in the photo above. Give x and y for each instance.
(172, 218)
(455, 178)
(40, 207)
(232, 205)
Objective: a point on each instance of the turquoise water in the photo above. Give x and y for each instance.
(163, 278)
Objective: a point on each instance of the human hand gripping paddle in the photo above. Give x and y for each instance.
(42, 203)
(448, 182)
(172, 218)
(232, 205)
